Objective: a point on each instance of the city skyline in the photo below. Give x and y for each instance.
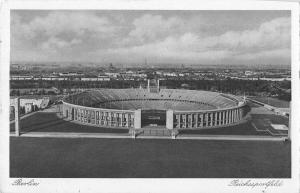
(189, 37)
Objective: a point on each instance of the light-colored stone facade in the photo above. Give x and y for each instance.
(208, 119)
(131, 119)
(102, 117)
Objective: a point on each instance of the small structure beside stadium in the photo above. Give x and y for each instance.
(154, 108)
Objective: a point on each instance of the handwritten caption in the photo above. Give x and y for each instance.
(256, 183)
(25, 182)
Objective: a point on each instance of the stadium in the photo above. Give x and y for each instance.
(154, 108)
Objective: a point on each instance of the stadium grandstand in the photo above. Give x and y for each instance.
(170, 109)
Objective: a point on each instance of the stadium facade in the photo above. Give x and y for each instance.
(171, 109)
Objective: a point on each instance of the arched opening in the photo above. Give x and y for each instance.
(153, 118)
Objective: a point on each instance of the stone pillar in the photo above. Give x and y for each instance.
(216, 118)
(80, 115)
(77, 114)
(138, 119)
(223, 118)
(148, 87)
(186, 120)
(133, 133)
(241, 113)
(117, 120)
(179, 120)
(234, 120)
(196, 121)
(202, 119)
(17, 117)
(28, 108)
(169, 119)
(64, 110)
(69, 113)
(228, 116)
(97, 117)
(235, 115)
(206, 118)
(174, 133)
(127, 119)
(211, 119)
(110, 119)
(122, 116)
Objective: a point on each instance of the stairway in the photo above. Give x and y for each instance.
(148, 131)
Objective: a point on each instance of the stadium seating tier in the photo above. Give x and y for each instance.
(130, 99)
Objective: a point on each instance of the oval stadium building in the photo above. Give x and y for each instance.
(172, 109)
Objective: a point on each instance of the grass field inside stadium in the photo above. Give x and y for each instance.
(147, 158)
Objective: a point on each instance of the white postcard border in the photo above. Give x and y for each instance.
(133, 184)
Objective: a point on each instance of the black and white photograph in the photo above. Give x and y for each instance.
(119, 93)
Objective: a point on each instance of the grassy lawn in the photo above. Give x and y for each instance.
(264, 121)
(273, 102)
(49, 122)
(274, 119)
(242, 129)
(151, 158)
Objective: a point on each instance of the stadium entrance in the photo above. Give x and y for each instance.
(154, 118)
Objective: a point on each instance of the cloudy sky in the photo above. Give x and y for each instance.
(189, 37)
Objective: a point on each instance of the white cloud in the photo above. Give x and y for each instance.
(276, 54)
(56, 23)
(151, 27)
(55, 44)
(58, 30)
(271, 39)
(156, 37)
(272, 34)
